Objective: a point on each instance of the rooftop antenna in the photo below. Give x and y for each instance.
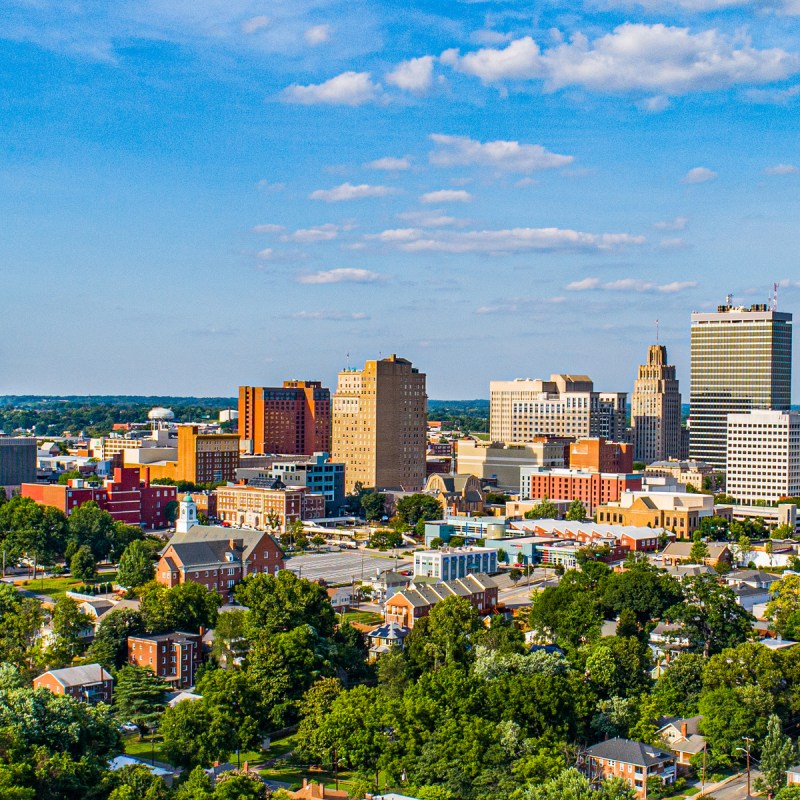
(348, 359)
(656, 331)
(774, 302)
(728, 299)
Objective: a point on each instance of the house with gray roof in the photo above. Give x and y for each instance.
(634, 762)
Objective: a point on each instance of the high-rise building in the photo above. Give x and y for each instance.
(656, 409)
(17, 460)
(379, 426)
(566, 405)
(294, 419)
(763, 456)
(741, 361)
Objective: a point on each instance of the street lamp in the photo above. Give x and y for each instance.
(746, 750)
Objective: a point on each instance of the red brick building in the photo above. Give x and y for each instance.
(634, 762)
(174, 657)
(598, 455)
(125, 496)
(260, 508)
(218, 557)
(408, 605)
(89, 683)
(593, 489)
(294, 419)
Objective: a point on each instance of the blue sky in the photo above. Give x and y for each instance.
(196, 194)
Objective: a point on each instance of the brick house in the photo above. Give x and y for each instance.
(89, 683)
(407, 606)
(174, 657)
(218, 557)
(634, 762)
(683, 738)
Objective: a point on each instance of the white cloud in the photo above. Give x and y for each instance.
(655, 104)
(266, 253)
(629, 285)
(676, 224)
(780, 169)
(342, 275)
(318, 34)
(390, 163)
(435, 218)
(322, 233)
(772, 97)
(514, 240)
(521, 59)
(347, 89)
(268, 228)
(489, 310)
(505, 155)
(255, 24)
(336, 316)
(395, 235)
(414, 75)
(699, 175)
(447, 196)
(673, 243)
(349, 192)
(652, 58)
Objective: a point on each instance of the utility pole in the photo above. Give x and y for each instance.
(746, 750)
(703, 787)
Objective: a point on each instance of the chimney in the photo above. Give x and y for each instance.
(216, 763)
(305, 782)
(245, 767)
(684, 729)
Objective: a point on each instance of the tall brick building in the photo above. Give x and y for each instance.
(379, 426)
(598, 455)
(172, 656)
(294, 419)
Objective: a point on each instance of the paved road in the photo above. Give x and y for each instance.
(343, 567)
(735, 789)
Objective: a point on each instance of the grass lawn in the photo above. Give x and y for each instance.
(144, 749)
(365, 617)
(280, 747)
(57, 587)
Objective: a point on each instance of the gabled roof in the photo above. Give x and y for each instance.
(390, 631)
(630, 752)
(211, 534)
(79, 676)
(692, 724)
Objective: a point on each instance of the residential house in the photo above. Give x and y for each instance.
(634, 762)
(218, 557)
(683, 738)
(120, 762)
(386, 583)
(679, 553)
(89, 683)
(172, 656)
(341, 598)
(793, 775)
(385, 638)
(317, 791)
(407, 606)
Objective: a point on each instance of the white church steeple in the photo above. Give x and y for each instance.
(188, 515)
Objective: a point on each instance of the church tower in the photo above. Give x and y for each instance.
(188, 515)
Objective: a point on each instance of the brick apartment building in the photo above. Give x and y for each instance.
(174, 657)
(89, 683)
(634, 762)
(294, 419)
(125, 496)
(218, 557)
(408, 605)
(598, 455)
(201, 457)
(593, 489)
(259, 507)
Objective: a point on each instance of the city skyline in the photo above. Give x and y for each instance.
(263, 189)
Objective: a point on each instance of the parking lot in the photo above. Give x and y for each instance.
(344, 566)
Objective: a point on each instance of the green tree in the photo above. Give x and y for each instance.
(110, 644)
(138, 697)
(230, 637)
(123, 535)
(317, 541)
(383, 538)
(698, 553)
(642, 589)
(83, 565)
(135, 567)
(777, 755)
(282, 602)
(315, 706)
(679, 688)
(90, 525)
(710, 617)
(20, 622)
(569, 614)
(136, 782)
(453, 627)
(241, 786)
(576, 511)
(572, 785)
(171, 511)
(418, 506)
(373, 505)
(232, 695)
(69, 626)
(185, 607)
(196, 735)
(543, 510)
(197, 786)
(785, 602)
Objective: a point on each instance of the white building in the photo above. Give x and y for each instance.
(763, 455)
(449, 563)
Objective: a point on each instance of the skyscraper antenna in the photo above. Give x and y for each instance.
(656, 331)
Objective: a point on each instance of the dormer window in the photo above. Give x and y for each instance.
(229, 556)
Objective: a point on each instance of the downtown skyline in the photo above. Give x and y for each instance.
(198, 196)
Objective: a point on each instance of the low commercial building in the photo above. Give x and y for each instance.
(89, 683)
(593, 489)
(676, 553)
(125, 496)
(459, 494)
(634, 762)
(449, 563)
(268, 508)
(468, 528)
(689, 473)
(174, 656)
(218, 557)
(679, 512)
(500, 463)
(318, 474)
(771, 516)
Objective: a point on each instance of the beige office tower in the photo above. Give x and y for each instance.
(656, 409)
(379, 425)
(566, 405)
